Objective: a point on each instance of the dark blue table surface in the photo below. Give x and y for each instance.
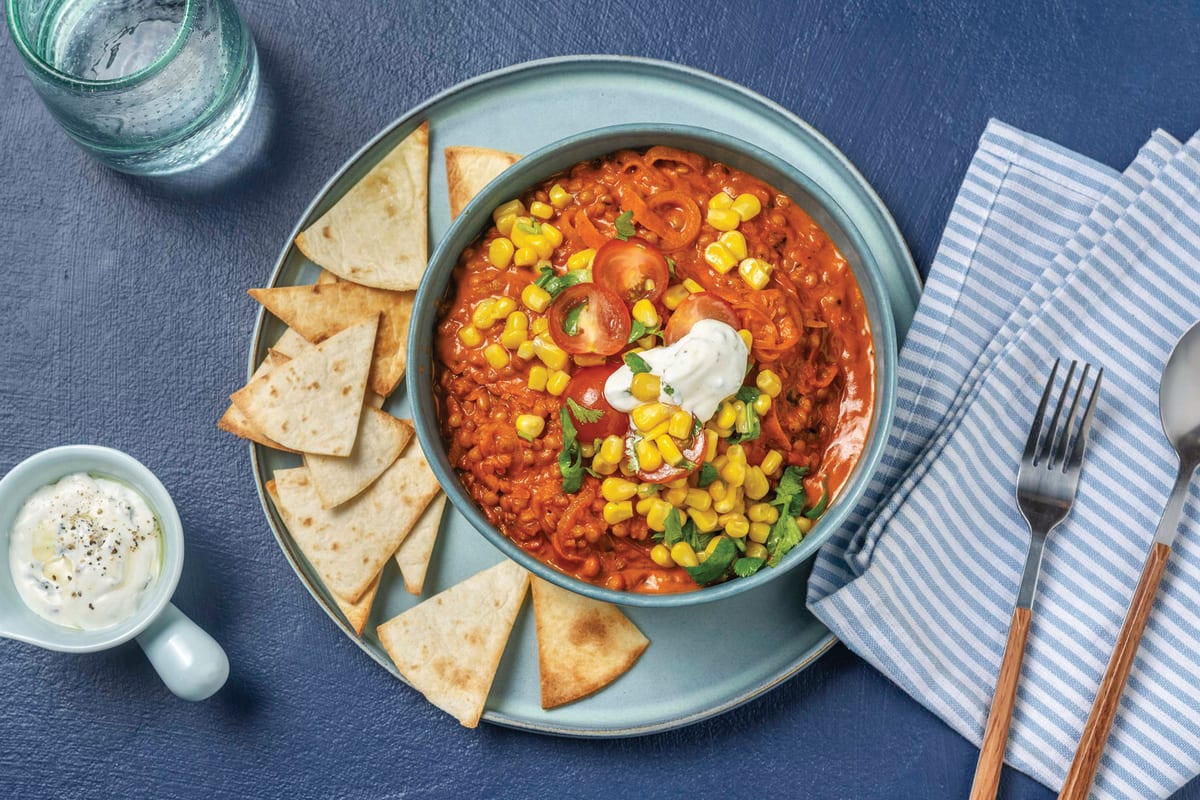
(125, 322)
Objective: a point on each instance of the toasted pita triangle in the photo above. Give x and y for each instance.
(349, 545)
(356, 613)
(413, 555)
(318, 311)
(381, 438)
(469, 169)
(376, 233)
(313, 402)
(235, 422)
(327, 277)
(292, 344)
(583, 644)
(449, 647)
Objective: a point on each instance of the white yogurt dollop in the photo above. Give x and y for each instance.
(84, 551)
(697, 372)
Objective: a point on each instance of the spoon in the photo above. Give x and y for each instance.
(1180, 411)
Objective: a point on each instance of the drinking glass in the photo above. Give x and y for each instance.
(148, 87)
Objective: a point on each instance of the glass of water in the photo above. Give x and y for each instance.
(148, 87)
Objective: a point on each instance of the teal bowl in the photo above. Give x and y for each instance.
(532, 169)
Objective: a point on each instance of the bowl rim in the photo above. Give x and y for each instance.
(540, 165)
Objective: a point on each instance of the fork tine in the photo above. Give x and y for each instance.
(1048, 443)
(1035, 430)
(1066, 431)
(1076, 459)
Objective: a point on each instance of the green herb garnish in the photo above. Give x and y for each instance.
(717, 564)
(636, 363)
(554, 284)
(570, 458)
(745, 567)
(530, 228)
(708, 474)
(636, 331)
(819, 509)
(584, 414)
(571, 320)
(748, 394)
(790, 498)
(785, 534)
(625, 229)
(668, 389)
(672, 528)
(671, 266)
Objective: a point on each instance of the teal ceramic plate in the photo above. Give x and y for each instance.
(723, 653)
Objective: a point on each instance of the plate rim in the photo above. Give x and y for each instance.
(908, 272)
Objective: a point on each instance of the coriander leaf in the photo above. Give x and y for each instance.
(636, 331)
(819, 508)
(625, 229)
(593, 473)
(571, 320)
(671, 266)
(745, 567)
(672, 529)
(785, 534)
(748, 394)
(791, 484)
(554, 284)
(708, 474)
(693, 536)
(570, 458)
(668, 389)
(717, 564)
(584, 414)
(636, 363)
(740, 544)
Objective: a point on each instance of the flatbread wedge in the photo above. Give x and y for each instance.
(235, 422)
(449, 647)
(376, 234)
(469, 169)
(381, 438)
(292, 344)
(318, 311)
(417, 549)
(357, 613)
(313, 402)
(348, 545)
(583, 644)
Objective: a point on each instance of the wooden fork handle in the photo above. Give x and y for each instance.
(1108, 697)
(995, 735)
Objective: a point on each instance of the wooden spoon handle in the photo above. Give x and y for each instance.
(1108, 697)
(995, 735)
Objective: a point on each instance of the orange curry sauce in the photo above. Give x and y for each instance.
(809, 325)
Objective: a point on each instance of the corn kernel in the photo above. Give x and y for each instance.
(771, 462)
(710, 444)
(763, 512)
(726, 415)
(759, 532)
(804, 524)
(535, 298)
(762, 404)
(656, 520)
(678, 483)
(503, 307)
(692, 286)
(540, 245)
(559, 197)
(675, 295)
(525, 350)
(658, 430)
(756, 550)
(550, 354)
(747, 338)
(540, 325)
(612, 448)
(738, 527)
(513, 208)
(683, 555)
(556, 384)
(698, 498)
(676, 497)
(647, 490)
(484, 316)
(735, 452)
(506, 224)
(734, 473)
(645, 386)
(735, 242)
(768, 383)
(756, 485)
(661, 554)
(626, 469)
(496, 355)
(644, 505)
(649, 459)
(720, 461)
(618, 512)
(581, 259)
(755, 272)
(553, 235)
(500, 252)
(516, 320)
(705, 519)
(615, 489)
(746, 205)
(719, 257)
(717, 489)
(541, 210)
(513, 339)
(712, 545)
(602, 467)
(538, 377)
(523, 230)
(723, 219)
(531, 425)
(720, 200)
(643, 312)
(587, 449)
(526, 257)
(470, 336)
(588, 359)
(648, 415)
(669, 450)
(741, 422)
(680, 425)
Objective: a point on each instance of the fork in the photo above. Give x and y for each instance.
(1046, 484)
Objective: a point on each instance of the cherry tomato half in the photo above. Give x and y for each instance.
(693, 452)
(634, 269)
(695, 307)
(587, 318)
(587, 389)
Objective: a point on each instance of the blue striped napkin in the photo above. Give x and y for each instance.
(1046, 254)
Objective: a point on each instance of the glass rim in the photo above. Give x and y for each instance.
(31, 57)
